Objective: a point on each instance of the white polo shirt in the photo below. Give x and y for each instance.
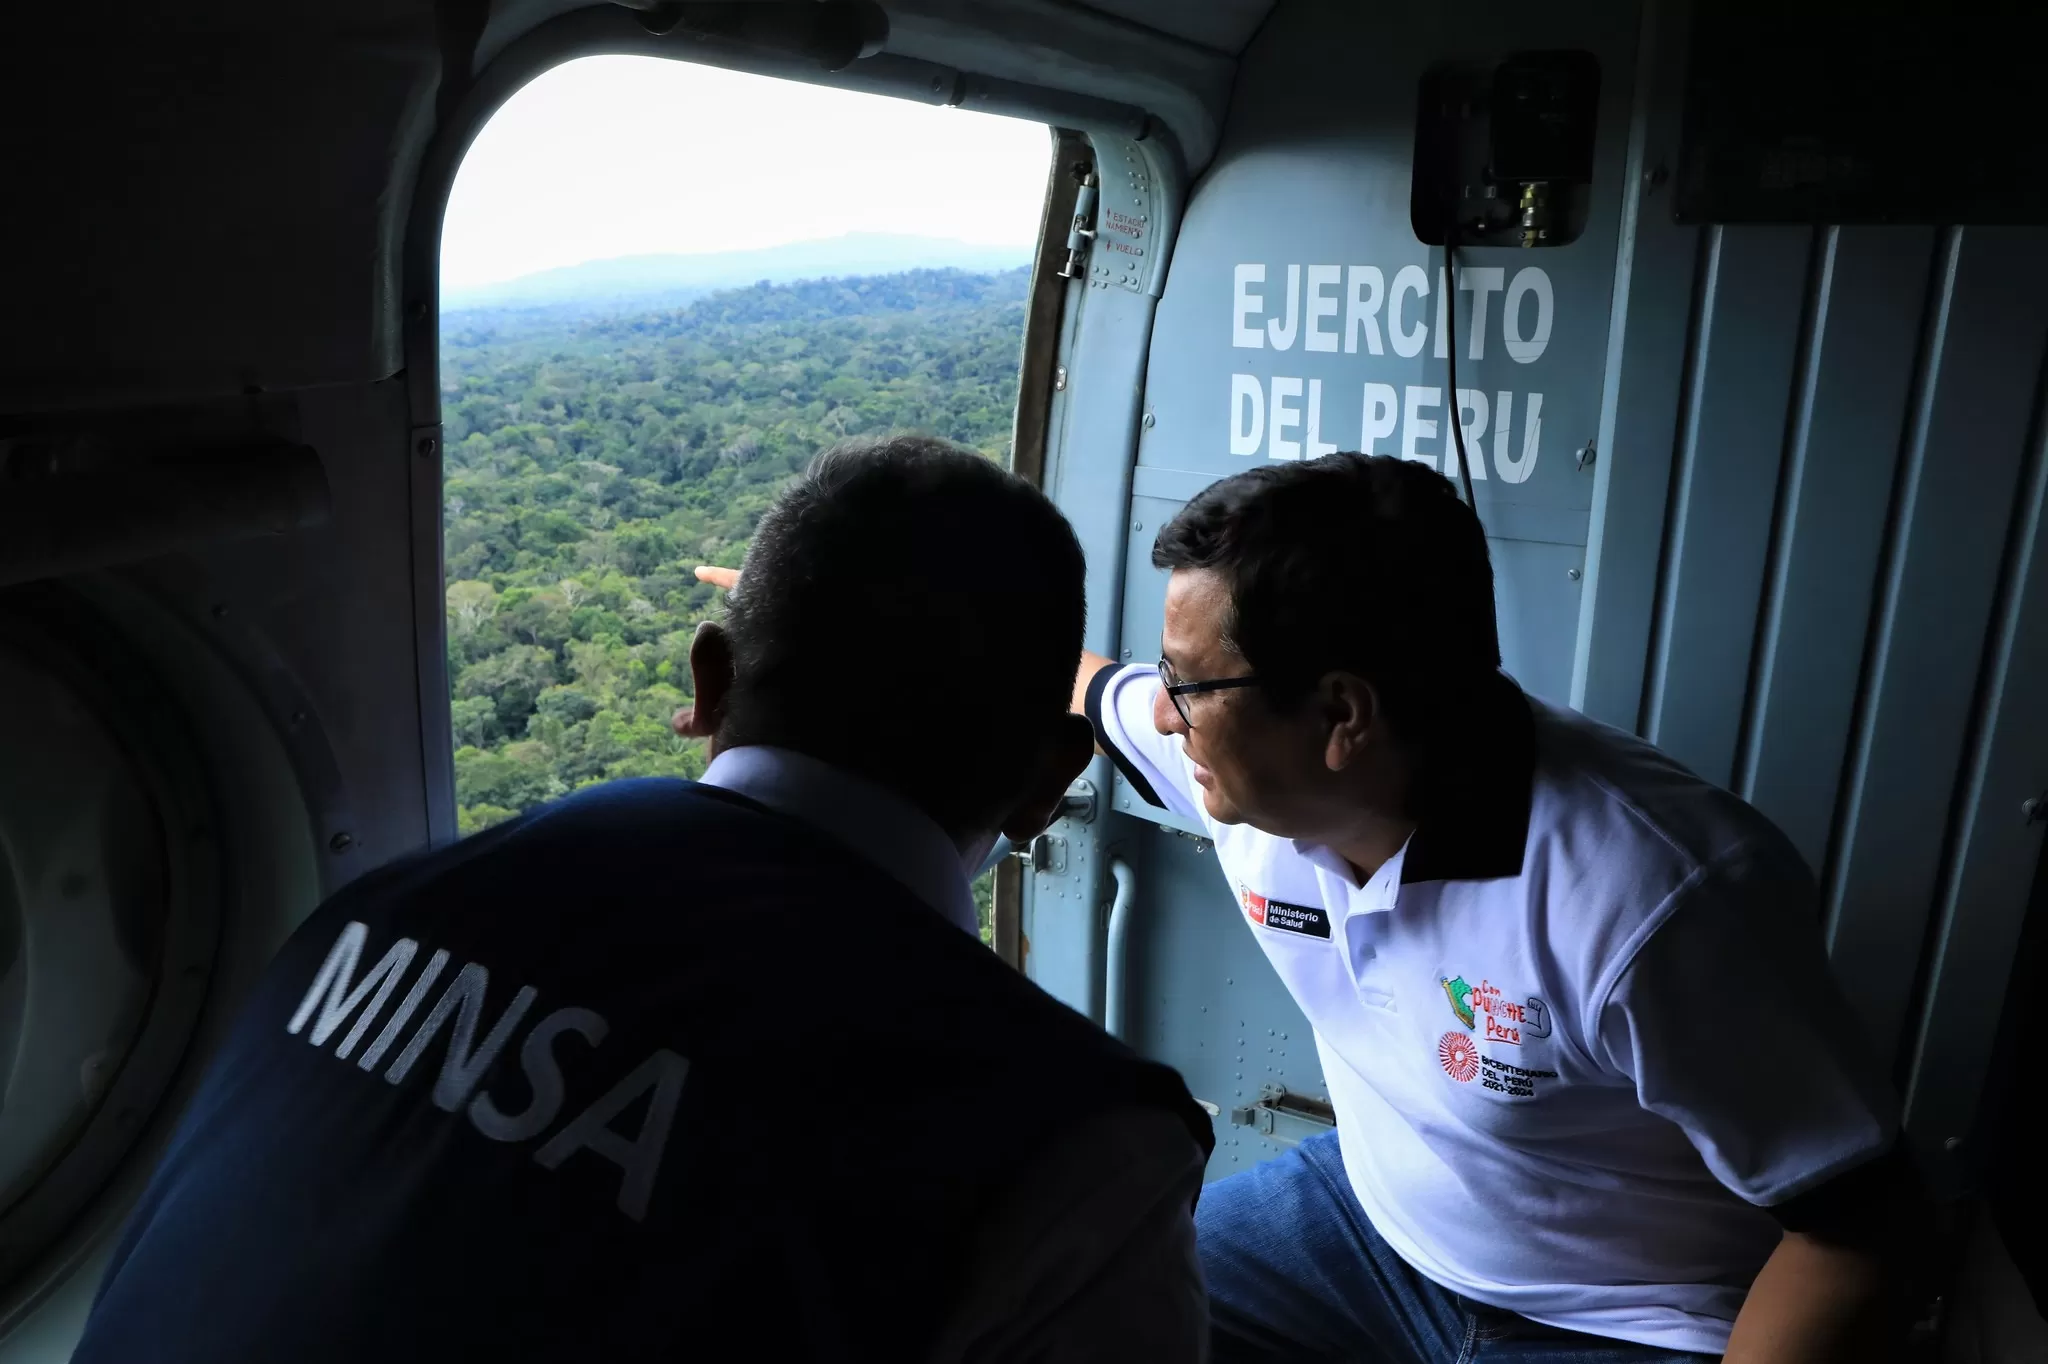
(1579, 1033)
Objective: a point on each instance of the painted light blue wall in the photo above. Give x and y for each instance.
(1802, 558)
(1313, 175)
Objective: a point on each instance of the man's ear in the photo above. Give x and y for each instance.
(1064, 754)
(711, 672)
(1350, 708)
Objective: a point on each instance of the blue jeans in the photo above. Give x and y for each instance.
(1297, 1273)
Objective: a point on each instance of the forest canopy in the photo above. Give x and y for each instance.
(592, 463)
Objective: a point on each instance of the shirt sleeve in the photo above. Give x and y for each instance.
(1119, 705)
(1091, 1259)
(1730, 1023)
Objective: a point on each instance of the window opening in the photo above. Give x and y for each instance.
(664, 288)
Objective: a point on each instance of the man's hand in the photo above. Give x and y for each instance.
(1816, 1303)
(1845, 1287)
(684, 721)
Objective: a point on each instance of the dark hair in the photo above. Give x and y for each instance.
(911, 612)
(1365, 564)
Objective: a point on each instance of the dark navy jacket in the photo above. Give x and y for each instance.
(653, 1072)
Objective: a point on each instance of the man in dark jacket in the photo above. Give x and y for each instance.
(672, 1068)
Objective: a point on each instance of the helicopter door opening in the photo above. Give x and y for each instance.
(665, 287)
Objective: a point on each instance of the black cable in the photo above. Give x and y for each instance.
(1451, 356)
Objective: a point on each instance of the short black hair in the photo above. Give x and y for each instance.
(911, 612)
(1354, 563)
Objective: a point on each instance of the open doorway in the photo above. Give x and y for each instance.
(664, 288)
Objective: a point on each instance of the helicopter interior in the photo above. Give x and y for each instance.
(1741, 318)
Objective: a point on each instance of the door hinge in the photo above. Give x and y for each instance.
(1081, 234)
(1284, 1116)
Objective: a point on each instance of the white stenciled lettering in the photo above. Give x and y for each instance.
(1247, 414)
(1362, 309)
(1414, 426)
(1317, 446)
(663, 1074)
(1524, 350)
(1392, 310)
(1407, 341)
(1503, 421)
(1281, 419)
(1382, 415)
(1417, 309)
(462, 1066)
(1245, 304)
(1471, 419)
(407, 1007)
(1320, 306)
(336, 994)
(543, 1077)
(1443, 304)
(1518, 470)
(1482, 281)
(1281, 336)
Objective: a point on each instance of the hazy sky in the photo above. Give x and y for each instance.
(622, 156)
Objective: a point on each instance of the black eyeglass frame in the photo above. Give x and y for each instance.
(1177, 691)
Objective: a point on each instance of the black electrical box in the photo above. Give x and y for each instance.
(1541, 117)
(1828, 112)
(1504, 151)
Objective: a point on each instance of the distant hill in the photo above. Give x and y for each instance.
(638, 283)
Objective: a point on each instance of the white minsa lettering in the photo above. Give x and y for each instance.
(640, 1158)
(336, 994)
(407, 1007)
(543, 1077)
(463, 1065)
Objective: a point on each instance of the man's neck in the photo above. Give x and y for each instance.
(861, 813)
(1381, 824)
(1373, 844)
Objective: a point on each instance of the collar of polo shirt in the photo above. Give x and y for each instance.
(1471, 801)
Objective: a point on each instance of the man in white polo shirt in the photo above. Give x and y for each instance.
(1597, 1095)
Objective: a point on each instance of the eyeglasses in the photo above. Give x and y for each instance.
(1178, 691)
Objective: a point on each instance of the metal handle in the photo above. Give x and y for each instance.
(1286, 1117)
(1114, 999)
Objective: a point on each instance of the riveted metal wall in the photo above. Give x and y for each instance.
(1813, 578)
(1859, 422)
(1311, 188)
(1803, 558)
